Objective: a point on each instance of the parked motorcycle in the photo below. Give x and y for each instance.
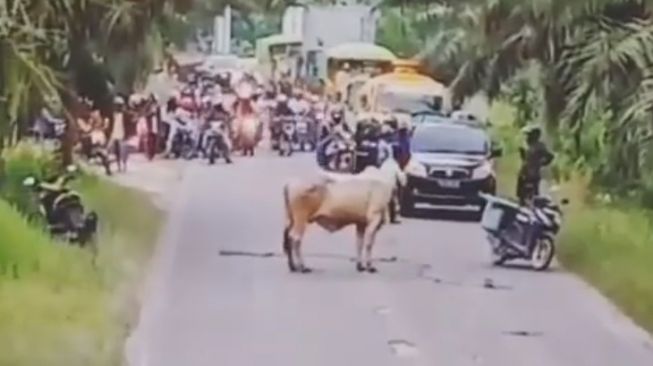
(63, 209)
(216, 144)
(522, 232)
(288, 136)
(305, 133)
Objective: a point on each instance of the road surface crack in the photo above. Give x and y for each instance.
(422, 268)
(522, 333)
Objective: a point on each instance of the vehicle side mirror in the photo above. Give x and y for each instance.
(496, 152)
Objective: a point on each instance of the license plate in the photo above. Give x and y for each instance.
(449, 183)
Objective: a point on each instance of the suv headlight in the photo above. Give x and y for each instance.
(415, 168)
(483, 171)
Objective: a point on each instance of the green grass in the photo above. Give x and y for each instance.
(56, 308)
(610, 246)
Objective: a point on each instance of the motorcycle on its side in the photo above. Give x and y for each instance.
(522, 232)
(63, 209)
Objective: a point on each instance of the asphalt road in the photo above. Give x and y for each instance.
(429, 307)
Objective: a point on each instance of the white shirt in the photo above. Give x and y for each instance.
(299, 106)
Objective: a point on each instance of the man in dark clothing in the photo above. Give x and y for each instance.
(403, 151)
(535, 156)
(366, 137)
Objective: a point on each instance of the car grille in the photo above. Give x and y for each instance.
(449, 173)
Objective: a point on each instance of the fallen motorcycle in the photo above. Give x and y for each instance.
(522, 232)
(63, 209)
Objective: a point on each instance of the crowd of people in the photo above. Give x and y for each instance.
(142, 122)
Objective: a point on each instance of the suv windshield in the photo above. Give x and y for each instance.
(450, 139)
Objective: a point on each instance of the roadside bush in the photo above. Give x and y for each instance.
(57, 307)
(20, 162)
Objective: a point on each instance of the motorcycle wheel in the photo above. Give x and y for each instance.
(542, 254)
(212, 154)
(75, 223)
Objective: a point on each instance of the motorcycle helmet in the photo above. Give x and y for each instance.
(532, 131)
(337, 115)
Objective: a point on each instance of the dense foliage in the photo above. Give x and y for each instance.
(583, 69)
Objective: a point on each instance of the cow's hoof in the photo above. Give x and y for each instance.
(360, 267)
(371, 269)
(306, 270)
(292, 268)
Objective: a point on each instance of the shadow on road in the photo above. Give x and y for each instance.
(445, 214)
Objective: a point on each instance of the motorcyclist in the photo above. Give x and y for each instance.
(367, 137)
(534, 156)
(403, 140)
(44, 125)
(335, 103)
(180, 120)
(336, 122)
(298, 104)
(220, 115)
(282, 108)
(336, 129)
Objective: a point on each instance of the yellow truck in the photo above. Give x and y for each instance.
(359, 61)
(404, 91)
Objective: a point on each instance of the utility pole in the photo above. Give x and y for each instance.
(222, 32)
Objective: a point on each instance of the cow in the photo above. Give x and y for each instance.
(335, 202)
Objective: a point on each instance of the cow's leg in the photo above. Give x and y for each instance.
(288, 247)
(292, 246)
(360, 241)
(373, 227)
(297, 249)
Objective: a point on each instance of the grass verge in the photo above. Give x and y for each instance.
(608, 245)
(56, 308)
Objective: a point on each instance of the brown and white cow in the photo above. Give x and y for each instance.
(335, 202)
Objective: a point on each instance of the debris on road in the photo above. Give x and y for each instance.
(523, 333)
(403, 348)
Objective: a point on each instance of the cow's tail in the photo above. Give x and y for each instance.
(287, 242)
